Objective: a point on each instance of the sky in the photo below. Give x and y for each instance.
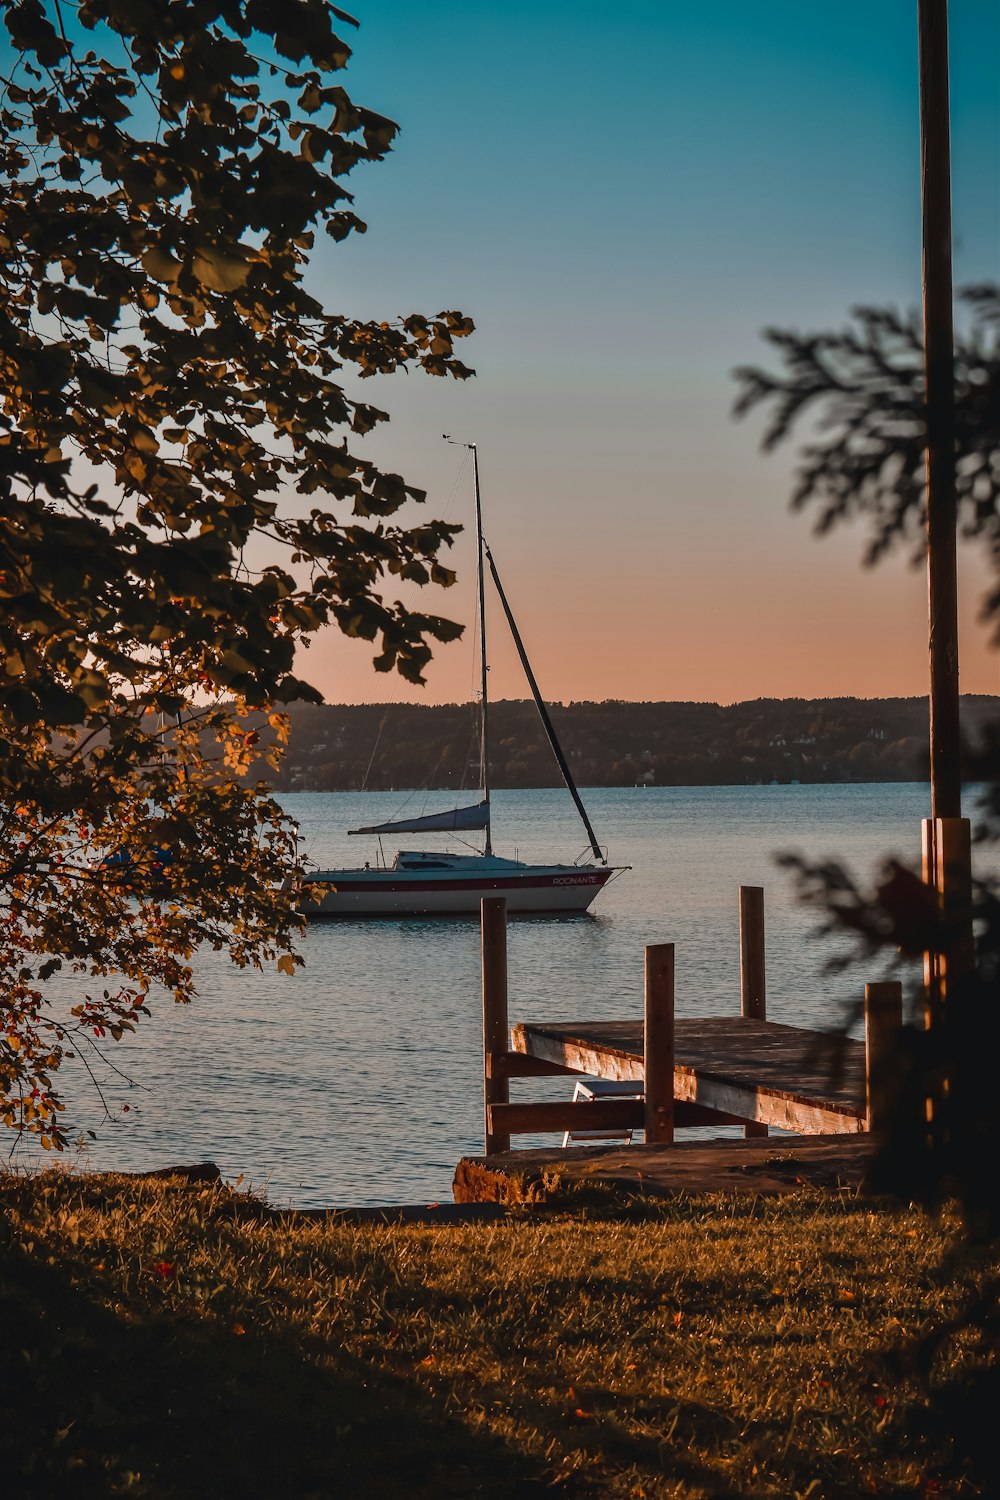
(623, 197)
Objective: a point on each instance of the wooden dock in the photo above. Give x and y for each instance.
(745, 1069)
(708, 1071)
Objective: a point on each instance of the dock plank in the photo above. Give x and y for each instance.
(806, 1081)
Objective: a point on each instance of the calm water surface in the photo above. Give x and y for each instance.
(359, 1080)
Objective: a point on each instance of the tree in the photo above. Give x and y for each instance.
(174, 409)
(864, 390)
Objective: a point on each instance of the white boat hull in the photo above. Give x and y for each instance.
(457, 891)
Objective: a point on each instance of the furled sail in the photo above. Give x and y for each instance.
(455, 820)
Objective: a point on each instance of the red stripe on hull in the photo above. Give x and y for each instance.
(502, 882)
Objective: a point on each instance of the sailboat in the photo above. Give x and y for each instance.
(421, 883)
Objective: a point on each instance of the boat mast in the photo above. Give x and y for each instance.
(484, 692)
(484, 698)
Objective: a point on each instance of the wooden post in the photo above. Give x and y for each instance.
(658, 1044)
(496, 1041)
(883, 1019)
(753, 998)
(752, 990)
(947, 869)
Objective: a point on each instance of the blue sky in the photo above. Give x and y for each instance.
(623, 197)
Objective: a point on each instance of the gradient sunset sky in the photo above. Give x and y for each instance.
(623, 197)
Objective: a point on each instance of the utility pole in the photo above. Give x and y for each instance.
(947, 865)
(942, 511)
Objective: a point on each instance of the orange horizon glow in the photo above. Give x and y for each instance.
(776, 615)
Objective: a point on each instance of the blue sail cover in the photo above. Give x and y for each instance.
(453, 821)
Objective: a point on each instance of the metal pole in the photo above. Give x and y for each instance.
(942, 514)
(485, 704)
(484, 699)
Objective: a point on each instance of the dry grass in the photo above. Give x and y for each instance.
(177, 1341)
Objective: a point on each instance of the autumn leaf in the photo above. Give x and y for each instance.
(160, 264)
(220, 272)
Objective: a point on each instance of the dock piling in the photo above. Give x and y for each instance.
(753, 993)
(496, 1089)
(753, 1000)
(883, 1020)
(658, 1044)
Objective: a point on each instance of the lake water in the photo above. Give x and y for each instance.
(358, 1081)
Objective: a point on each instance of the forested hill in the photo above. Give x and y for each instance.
(617, 744)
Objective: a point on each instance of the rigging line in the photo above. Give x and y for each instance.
(378, 741)
(543, 712)
(473, 740)
(476, 738)
(433, 777)
(396, 684)
(449, 504)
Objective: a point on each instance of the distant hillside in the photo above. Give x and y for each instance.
(379, 746)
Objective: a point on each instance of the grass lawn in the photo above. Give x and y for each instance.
(165, 1340)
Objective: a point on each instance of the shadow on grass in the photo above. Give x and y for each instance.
(706, 1447)
(171, 1405)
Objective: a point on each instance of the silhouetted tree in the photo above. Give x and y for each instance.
(863, 390)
